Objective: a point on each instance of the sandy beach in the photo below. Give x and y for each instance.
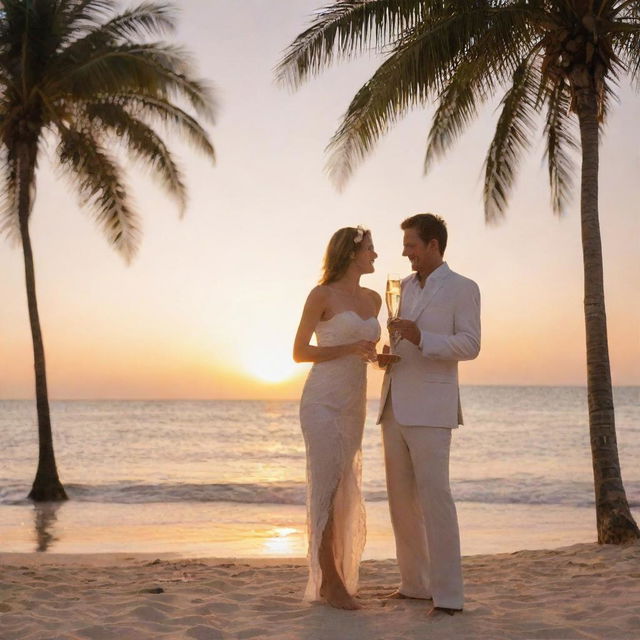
(581, 591)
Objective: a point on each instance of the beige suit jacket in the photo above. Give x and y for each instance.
(424, 383)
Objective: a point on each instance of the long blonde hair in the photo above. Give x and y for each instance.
(341, 250)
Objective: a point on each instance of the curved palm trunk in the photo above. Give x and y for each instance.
(614, 520)
(47, 485)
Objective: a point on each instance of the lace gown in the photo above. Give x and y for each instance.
(332, 413)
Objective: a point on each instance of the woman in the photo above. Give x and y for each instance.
(343, 316)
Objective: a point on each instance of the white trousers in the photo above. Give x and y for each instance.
(423, 514)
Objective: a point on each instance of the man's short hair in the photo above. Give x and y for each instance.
(428, 226)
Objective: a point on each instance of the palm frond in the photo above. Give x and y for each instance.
(561, 142)
(142, 142)
(100, 183)
(86, 33)
(512, 137)
(629, 9)
(374, 109)
(94, 77)
(347, 28)
(153, 68)
(74, 13)
(422, 64)
(155, 109)
(490, 61)
(627, 46)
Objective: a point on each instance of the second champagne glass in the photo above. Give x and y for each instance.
(393, 291)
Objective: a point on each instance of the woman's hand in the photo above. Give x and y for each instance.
(365, 350)
(386, 359)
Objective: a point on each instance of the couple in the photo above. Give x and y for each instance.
(438, 325)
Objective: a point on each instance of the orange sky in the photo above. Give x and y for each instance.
(210, 306)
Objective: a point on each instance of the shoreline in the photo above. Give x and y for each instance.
(231, 530)
(580, 591)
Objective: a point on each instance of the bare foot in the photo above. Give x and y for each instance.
(438, 612)
(338, 597)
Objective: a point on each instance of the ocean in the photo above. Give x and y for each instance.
(226, 478)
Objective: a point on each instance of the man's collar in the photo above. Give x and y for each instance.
(437, 274)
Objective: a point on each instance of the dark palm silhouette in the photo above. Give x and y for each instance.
(561, 57)
(77, 73)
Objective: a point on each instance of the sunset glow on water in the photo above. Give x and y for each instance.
(227, 478)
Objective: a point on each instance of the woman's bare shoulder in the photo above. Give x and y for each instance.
(319, 295)
(375, 297)
(321, 291)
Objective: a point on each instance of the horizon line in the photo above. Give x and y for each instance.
(293, 399)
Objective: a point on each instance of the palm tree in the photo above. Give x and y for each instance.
(561, 57)
(78, 75)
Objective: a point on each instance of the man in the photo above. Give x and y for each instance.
(438, 325)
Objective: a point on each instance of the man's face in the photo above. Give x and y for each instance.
(424, 257)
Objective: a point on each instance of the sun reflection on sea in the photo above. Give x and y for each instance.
(283, 541)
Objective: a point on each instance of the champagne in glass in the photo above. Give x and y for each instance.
(394, 288)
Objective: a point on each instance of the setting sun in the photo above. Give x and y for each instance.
(271, 364)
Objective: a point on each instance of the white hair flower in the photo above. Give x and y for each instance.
(360, 234)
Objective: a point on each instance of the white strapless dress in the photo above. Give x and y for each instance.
(332, 414)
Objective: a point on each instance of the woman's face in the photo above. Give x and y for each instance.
(365, 255)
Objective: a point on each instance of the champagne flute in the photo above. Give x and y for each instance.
(393, 291)
(394, 287)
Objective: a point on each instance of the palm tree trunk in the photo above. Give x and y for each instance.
(614, 520)
(47, 485)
